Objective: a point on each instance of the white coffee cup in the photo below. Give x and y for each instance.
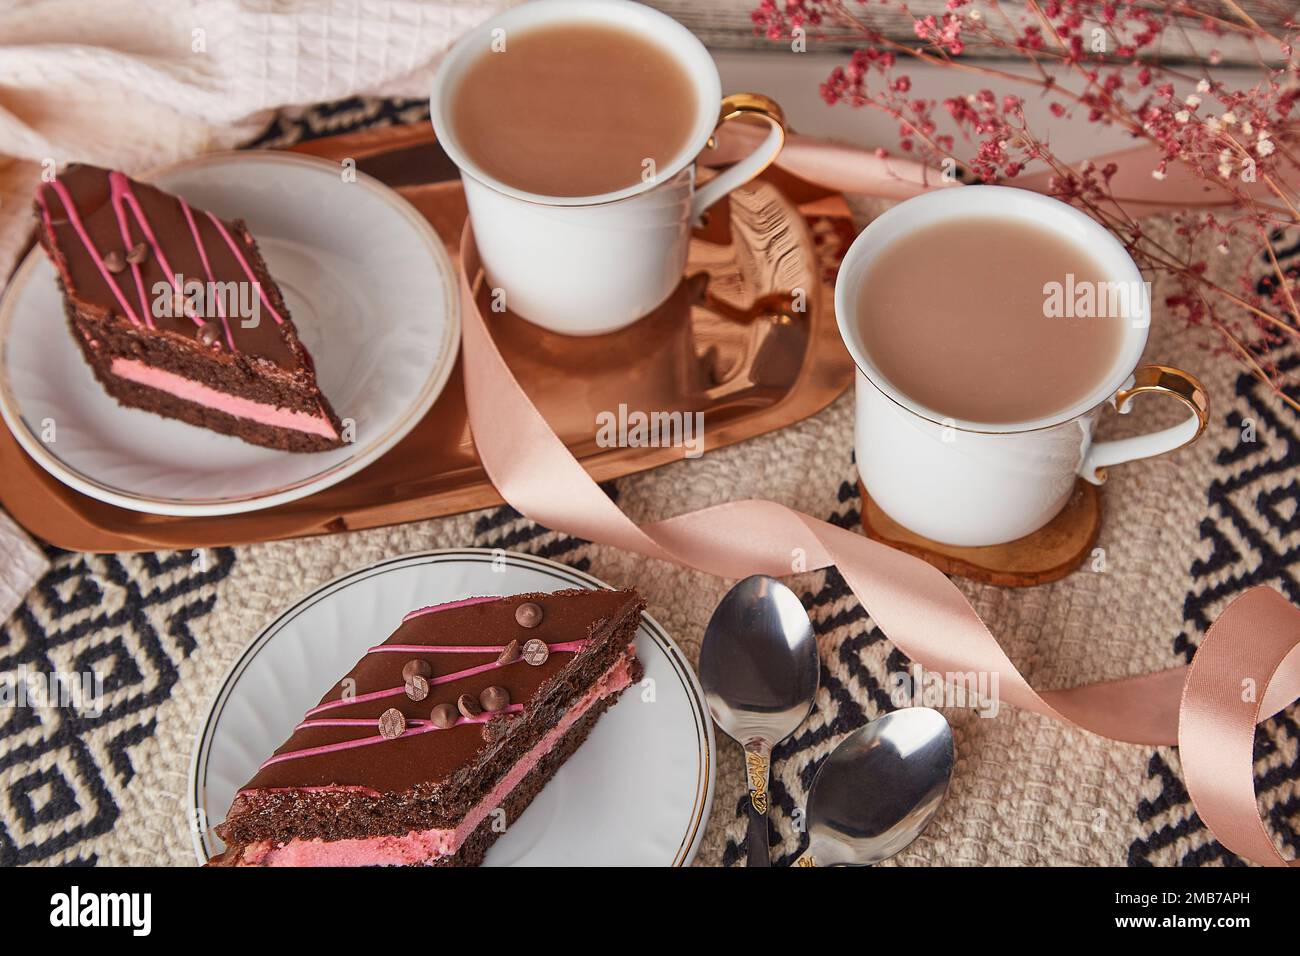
(584, 265)
(974, 483)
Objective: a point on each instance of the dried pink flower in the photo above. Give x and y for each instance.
(1112, 75)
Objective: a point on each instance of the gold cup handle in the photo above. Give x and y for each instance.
(1164, 380)
(733, 107)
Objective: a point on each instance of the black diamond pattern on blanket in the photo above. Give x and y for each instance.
(1253, 527)
(118, 626)
(506, 529)
(1251, 537)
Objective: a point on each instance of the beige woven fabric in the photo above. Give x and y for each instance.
(21, 564)
(1027, 790)
(135, 84)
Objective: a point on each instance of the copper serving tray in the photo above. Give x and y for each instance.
(730, 343)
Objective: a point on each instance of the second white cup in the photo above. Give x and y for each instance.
(974, 483)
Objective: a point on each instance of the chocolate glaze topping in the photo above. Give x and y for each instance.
(431, 749)
(134, 265)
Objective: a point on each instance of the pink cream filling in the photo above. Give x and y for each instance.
(419, 846)
(192, 391)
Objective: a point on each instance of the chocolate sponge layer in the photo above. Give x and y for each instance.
(474, 848)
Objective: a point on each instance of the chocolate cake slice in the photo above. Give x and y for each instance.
(441, 736)
(176, 313)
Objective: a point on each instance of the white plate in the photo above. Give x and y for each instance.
(371, 291)
(636, 793)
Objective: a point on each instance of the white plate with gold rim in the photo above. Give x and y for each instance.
(636, 793)
(371, 291)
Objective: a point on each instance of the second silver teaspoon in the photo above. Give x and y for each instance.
(878, 789)
(759, 669)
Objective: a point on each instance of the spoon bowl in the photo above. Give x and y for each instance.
(879, 789)
(758, 664)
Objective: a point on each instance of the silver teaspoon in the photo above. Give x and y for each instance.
(879, 789)
(759, 669)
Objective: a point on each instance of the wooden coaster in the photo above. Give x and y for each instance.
(1050, 553)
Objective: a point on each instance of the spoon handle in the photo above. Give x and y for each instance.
(758, 754)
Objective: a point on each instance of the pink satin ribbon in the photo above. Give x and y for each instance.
(914, 604)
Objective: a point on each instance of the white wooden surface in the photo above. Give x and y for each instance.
(726, 25)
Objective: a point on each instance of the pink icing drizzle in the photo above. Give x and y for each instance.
(464, 602)
(119, 191)
(359, 699)
(125, 232)
(75, 219)
(559, 647)
(234, 249)
(122, 197)
(207, 270)
(414, 727)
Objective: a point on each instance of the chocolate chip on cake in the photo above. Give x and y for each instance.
(391, 723)
(536, 652)
(494, 698)
(510, 654)
(139, 252)
(443, 716)
(528, 614)
(209, 333)
(417, 688)
(416, 668)
(468, 706)
(114, 262)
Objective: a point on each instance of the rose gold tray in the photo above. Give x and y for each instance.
(728, 343)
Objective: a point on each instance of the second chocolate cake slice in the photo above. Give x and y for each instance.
(176, 313)
(440, 736)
